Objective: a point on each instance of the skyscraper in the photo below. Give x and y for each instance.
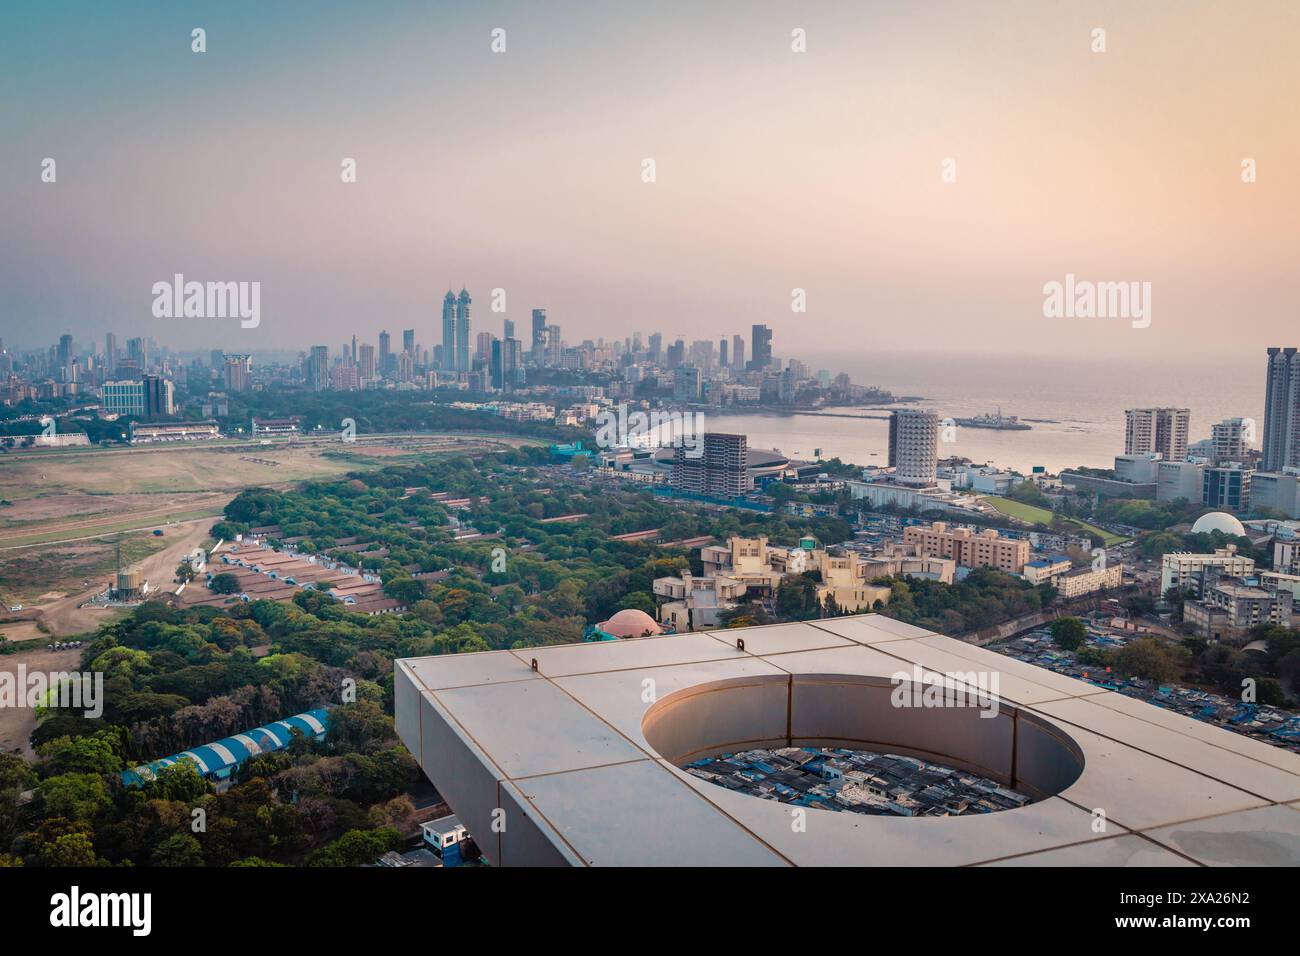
(462, 331)
(718, 472)
(408, 342)
(483, 346)
(554, 345)
(656, 347)
(724, 360)
(158, 396)
(137, 350)
(761, 337)
(367, 363)
(686, 383)
(449, 331)
(316, 371)
(508, 328)
(237, 372)
(914, 445)
(110, 351)
(539, 335)
(737, 352)
(385, 352)
(1162, 430)
(1282, 410)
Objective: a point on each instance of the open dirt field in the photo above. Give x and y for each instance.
(58, 607)
(17, 723)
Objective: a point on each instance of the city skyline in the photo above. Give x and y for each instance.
(1073, 181)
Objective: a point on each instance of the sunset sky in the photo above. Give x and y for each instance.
(775, 170)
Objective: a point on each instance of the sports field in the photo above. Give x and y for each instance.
(1043, 518)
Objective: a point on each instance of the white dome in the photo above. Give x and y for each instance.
(1218, 521)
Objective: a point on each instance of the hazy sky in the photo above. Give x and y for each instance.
(775, 170)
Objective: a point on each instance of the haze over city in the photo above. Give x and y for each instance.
(522, 169)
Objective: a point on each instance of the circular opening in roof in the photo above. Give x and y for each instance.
(863, 743)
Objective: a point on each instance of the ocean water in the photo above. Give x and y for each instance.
(1079, 403)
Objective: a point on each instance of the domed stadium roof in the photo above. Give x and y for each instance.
(1218, 521)
(630, 622)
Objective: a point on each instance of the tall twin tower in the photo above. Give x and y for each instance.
(455, 331)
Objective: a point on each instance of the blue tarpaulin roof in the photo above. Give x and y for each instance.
(232, 751)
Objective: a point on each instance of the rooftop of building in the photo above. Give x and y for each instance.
(592, 776)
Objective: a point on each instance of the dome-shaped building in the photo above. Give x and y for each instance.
(1219, 521)
(630, 622)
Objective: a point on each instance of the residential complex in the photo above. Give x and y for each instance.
(1160, 430)
(970, 548)
(716, 471)
(1282, 410)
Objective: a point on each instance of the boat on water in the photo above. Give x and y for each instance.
(995, 420)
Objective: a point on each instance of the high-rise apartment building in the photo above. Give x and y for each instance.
(316, 368)
(483, 346)
(385, 352)
(110, 352)
(137, 350)
(724, 358)
(761, 340)
(718, 472)
(554, 345)
(1229, 438)
(1162, 430)
(687, 384)
(539, 336)
(655, 347)
(238, 372)
(366, 364)
(737, 352)
(159, 396)
(914, 445)
(1282, 410)
(408, 342)
(462, 331)
(448, 331)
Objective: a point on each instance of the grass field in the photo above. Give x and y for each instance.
(1042, 517)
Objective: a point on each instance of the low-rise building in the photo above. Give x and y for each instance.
(692, 603)
(1186, 571)
(142, 433)
(1231, 606)
(264, 427)
(1042, 570)
(1179, 479)
(1086, 580)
